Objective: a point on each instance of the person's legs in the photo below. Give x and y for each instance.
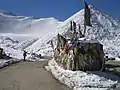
(24, 58)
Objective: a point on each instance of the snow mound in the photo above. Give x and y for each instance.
(4, 63)
(83, 80)
(16, 54)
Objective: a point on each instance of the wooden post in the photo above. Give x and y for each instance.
(84, 28)
(84, 22)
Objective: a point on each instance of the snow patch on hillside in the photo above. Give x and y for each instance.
(25, 44)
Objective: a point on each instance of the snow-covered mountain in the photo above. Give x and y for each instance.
(10, 23)
(104, 28)
(32, 34)
(19, 33)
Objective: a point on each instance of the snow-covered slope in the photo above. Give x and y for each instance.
(105, 28)
(19, 33)
(8, 42)
(10, 23)
(33, 34)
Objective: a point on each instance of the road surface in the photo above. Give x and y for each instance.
(28, 76)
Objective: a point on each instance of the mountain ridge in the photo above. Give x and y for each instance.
(104, 28)
(10, 23)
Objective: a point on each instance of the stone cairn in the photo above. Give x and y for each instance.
(79, 54)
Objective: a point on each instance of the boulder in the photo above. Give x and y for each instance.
(88, 56)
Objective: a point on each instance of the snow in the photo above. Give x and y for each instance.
(26, 25)
(88, 40)
(105, 29)
(18, 37)
(32, 34)
(18, 33)
(117, 59)
(83, 80)
(25, 43)
(4, 62)
(16, 54)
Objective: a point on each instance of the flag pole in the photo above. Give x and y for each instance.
(84, 28)
(84, 20)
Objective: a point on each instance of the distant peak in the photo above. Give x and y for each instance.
(91, 6)
(3, 12)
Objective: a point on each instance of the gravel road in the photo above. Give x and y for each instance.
(28, 76)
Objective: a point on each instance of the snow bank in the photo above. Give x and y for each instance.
(4, 62)
(117, 59)
(82, 80)
(13, 53)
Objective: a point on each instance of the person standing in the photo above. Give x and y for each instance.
(1, 53)
(24, 55)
